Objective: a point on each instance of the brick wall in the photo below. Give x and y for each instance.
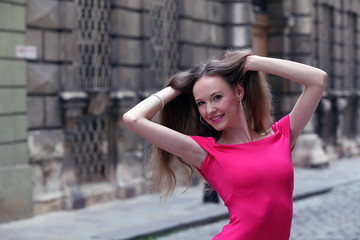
(15, 175)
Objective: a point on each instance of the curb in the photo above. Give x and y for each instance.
(311, 192)
(158, 228)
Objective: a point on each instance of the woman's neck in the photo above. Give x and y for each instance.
(240, 134)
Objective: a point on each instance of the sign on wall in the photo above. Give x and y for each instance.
(26, 52)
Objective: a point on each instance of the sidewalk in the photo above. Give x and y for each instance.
(144, 215)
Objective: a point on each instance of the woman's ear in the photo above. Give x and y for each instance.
(239, 91)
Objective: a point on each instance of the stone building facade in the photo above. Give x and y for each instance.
(63, 139)
(15, 171)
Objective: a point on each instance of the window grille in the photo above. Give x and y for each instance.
(326, 42)
(164, 15)
(90, 149)
(351, 51)
(92, 64)
(350, 74)
(92, 44)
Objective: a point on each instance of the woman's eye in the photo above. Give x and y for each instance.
(217, 97)
(200, 103)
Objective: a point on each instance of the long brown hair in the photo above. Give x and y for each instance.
(182, 115)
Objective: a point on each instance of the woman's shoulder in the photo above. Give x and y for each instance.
(204, 140)
(282, 125)
(207, 143)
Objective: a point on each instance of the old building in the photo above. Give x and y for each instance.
(71, 68)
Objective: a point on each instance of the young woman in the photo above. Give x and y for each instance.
(216, 117)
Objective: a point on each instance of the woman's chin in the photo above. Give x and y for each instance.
(217, 127)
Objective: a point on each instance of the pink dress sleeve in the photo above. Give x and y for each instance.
(207, 143)
(283, 126)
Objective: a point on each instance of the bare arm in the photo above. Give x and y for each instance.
(312, 78)
(138, 119)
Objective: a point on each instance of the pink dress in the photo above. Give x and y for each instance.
(255, 181)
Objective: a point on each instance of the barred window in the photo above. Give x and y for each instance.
(326, 42)
(92, 44)
(351, 49)
(165, 20)
(90, 149)
(351, 61)
(90, 136)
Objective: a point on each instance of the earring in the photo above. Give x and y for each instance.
(242, 106)
(201, 120)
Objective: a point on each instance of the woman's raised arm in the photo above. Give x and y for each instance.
(150, 106)
(313, 79)
(138, 119)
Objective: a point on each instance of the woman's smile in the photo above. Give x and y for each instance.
(217, 118)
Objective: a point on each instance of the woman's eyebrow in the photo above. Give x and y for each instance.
(215, 93)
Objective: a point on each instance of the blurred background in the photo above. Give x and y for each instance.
(71, 68)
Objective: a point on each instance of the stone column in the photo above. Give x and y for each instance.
(350, 145)
(308, 151)
(74, 105)
(326, 126)
(239, 24)
(49, 26)
(277, 47)
(357, 119)
(342, 139)
(131, 57)
(131, 149)
(15, 174)
(350, 55)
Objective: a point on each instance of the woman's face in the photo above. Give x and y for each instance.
(217, 102)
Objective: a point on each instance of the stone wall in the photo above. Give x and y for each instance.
(15, 174)
(309, 150)
(49, 26)
(131, 54)
(324, 34)
(336, 50)
(209, 27)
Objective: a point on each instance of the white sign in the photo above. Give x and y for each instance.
(31, 52)
(26, 52)
(20, 51)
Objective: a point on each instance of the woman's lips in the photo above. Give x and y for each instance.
(217, 118)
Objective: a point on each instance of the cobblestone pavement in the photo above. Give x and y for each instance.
(331, 216)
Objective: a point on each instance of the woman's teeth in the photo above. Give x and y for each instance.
(217, 118)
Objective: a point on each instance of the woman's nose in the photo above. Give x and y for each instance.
(210, 109)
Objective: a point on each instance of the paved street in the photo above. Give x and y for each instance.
(331, 216)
